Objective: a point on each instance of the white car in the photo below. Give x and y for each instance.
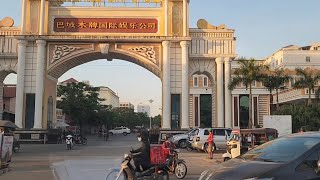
(219, 137)
(120, 130)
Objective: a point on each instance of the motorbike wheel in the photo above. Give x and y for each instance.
(164, 175)
(181, 170)
(183, 144)
(69, 146)
(114, 174)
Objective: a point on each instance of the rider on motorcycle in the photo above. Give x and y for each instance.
(141, 156)
(168, 147)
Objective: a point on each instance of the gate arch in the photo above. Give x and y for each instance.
(151, 61)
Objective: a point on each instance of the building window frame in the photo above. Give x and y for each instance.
(205, 81)
(195, 81)
(306, 91)
(308, 59)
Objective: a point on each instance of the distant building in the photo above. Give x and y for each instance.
(71, 80)
(143, 109)
(126, 105)
(110, 97)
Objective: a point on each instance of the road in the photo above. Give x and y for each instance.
(90, 162)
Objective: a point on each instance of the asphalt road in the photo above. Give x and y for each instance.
(90, 162)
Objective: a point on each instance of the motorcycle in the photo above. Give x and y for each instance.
(16, 146)
(127, 171)
(176, 166)
(80, 140)
(69, 142)
(189, 145)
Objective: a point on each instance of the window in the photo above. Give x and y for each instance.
(205, 81)
(195, 81)
(206, 132)
(219, 132)
(307, 91)
(235, 104)
(196, 111)
(310, 162)
(254, 83)
(312, 91)
(308, 59)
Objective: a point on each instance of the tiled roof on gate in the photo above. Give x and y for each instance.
(71, 80)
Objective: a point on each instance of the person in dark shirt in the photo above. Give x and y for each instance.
(141, 156)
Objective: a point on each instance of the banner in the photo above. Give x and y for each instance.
(106, 25)
(1, 137)
(7, 148)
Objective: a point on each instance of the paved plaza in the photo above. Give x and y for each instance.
(93, 161)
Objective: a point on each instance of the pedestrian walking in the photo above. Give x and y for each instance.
(210, 143)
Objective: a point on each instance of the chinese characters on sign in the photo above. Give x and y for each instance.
(106, 25)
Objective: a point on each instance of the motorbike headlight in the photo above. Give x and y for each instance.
(256, 178)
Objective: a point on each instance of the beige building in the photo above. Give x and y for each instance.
(110, 97)
(126, 105)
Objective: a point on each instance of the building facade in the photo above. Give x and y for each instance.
(109, 97)
(144, 108)
(126, 105)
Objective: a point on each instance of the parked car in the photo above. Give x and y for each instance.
(137, 129)
(219, 137)
(181, 140)
(291, 157)
(120, 130)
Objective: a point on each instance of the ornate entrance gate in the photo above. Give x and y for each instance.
(57, 35)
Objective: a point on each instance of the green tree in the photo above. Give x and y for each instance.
(80, 101)
(157, 120)
(305, 117)
(248, 72)
(274, 80)
(308, 79)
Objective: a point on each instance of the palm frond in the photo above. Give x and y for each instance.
(236, 80)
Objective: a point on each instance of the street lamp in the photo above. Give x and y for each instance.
(150, 101)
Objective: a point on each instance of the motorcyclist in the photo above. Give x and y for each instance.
(141, 156)
(168, 147)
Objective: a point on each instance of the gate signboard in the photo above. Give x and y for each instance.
(106, 25)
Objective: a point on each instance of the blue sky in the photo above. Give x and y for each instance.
(262, 27)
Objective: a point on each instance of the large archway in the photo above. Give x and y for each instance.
(143, 54)
(55, 37)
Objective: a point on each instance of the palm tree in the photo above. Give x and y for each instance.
(308, 79)
(274, 81)
(248, 72)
